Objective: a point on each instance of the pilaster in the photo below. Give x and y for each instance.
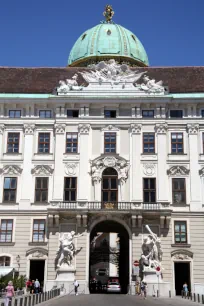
(84, 177)
(2, 128)
(162, 179)
(135, 150)
(59, 167)
(195, 183)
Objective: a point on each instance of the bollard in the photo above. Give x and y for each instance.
(188, 295)
(182, 293)
(33, 299)
(191, 296)
(45, 296)
(40, 297)
(194, 297)
(29, 300)
(25, 301)
(16, 302)
(202, 297)
(21, 301)
(36, 298)
(170, 293)
(198, 298)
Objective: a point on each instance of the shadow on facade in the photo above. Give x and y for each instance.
(109, 256)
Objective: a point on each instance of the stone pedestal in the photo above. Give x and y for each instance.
(155, 283)
(66, 274)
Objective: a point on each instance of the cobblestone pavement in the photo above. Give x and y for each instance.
(116, 300)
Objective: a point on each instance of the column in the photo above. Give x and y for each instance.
(84, 167)
(27, 179)
(162, 179)
(59, 166)
(195, 183)
(135, 173)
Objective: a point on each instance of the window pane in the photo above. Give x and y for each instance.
(13, 183)
(67, 182)
(7, 182)
(113, 184)
(152, 183)
(146, 184)
(45, 181)
(66, 196)
(73, 196)
(113, 196)
(44, 196)
(105, 196)
(146, 197)
(42, 225)
(6, 195)
(12, 195)
(105, 183)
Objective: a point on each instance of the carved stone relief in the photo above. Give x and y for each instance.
(135, 128)
(70, 168)
(192, 128)
(181, 255)
(161, 128)
(42, 170)
(110, 127)
(2, 128)
(11, 169)
(60, 128)
(149, 169)
(178, 170)
(29, 128)
(84, 128)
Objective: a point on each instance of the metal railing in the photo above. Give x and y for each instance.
(110, 206)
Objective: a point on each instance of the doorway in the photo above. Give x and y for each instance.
(109, 192)
(109, 257)
(182, 275)
(37, 270)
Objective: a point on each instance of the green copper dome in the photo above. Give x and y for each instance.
(105, 41)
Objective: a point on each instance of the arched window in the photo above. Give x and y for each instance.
(5, 261)
(109, 185)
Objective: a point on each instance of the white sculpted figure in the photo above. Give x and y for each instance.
(151, 86)
(96, 171)
(111, 72)
(151, 250)
(123, 172)
(67, 250)
(70, 84)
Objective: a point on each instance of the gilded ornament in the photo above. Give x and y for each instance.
(108, 13)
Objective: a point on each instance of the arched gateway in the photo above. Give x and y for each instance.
(109, 258)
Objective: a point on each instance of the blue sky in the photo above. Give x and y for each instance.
(41, 32)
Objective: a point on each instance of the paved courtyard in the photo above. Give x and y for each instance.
(116, 300)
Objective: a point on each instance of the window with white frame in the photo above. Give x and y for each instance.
(45, 114)
(10, 189)
(180, 232)
(13, 142)
(38, 230)
(14, 114)
(6, 230)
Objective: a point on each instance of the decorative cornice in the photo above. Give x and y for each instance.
(178, 170)
(2, 128)
(192, 129)
(11, 169)
(161, 128)
(60, 128)
(84, 128)
(42, 170)
(29, 129)
(135, 128)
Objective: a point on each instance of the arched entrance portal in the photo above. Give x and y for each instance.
(109, 192)
(109, 256)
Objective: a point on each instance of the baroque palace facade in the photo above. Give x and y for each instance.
(106, 139)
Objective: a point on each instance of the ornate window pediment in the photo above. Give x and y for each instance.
(42, 170)
(11, 170)
(178, 170)
(37, 252)
(120, 164)
(110, 128)
(181, 254)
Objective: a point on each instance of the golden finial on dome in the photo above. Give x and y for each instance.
(108, 13)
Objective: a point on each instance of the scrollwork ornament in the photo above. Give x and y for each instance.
(29, 129)
(161, 128)
(60, 128)
(135, 128)
(192, 129)
(70, 168)
(2, 128)
(84, 128)
(149, 169)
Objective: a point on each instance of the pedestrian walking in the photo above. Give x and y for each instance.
(9, 293)
(76, 286)
(28, 286)
(185, 289)
(144, 290)
(37, 286)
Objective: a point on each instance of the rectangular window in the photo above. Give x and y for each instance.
(148, 143)
(147, 114)
(203, 141)
(149, 190)
(38, 230)
(109, 113)
(14, 114)
(177, 143)
(70, 189)
(72, 113)
(13, 142)
(71, 143)
(109, 142)
(176, 113)
(180, 231)
(44, 143)
(45, 114)
(202, 113)
(6, 231)
(41, 189)
(178, 191)
(10, 186)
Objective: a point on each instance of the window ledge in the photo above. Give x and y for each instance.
(7, 243)
(71, 153)
(9, 203)
(12, 153)
(181, 245)
(149, 153)
(40, 203)
(177, 154)
(43, 153)
(37, 243)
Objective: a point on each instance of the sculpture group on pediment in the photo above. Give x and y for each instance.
(68, 85)
(11, 169)
(178, 170)
(42, 170)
